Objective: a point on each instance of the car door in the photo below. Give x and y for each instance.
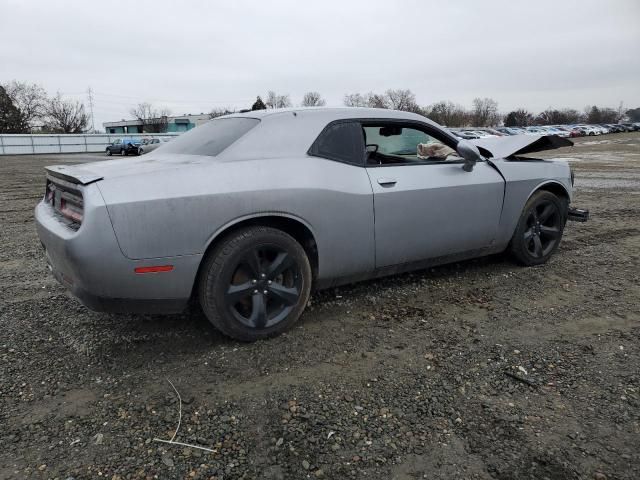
(427, 206)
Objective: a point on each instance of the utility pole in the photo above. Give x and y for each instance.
(90, 95)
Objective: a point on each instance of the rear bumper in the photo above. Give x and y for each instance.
(90, 264)
(99, 303)
(578, 214)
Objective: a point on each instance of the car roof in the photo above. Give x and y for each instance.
(291, 131)
(333, 113)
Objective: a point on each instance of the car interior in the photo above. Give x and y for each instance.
(398, 145)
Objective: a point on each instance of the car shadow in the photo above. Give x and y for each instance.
(190, 334)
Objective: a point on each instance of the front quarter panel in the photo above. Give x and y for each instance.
(522, 179)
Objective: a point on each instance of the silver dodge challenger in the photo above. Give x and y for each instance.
(251, 211)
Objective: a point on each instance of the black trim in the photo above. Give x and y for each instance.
(314, 148)
(408, 267)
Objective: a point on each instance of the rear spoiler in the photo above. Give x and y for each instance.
(73, 173)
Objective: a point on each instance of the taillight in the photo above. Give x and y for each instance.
(66, 200)
(71, 210)
(49, 193)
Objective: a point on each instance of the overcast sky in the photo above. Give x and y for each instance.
(193, 56)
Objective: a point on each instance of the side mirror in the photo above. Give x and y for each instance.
(469, 153)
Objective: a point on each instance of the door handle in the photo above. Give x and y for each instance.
(387, 182)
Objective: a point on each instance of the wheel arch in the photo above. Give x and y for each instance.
(554, 187)
(300, 230)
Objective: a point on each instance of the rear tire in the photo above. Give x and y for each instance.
(539, 229)
(255, 283)
(123, 152)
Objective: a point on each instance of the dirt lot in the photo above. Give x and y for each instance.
(401, 378)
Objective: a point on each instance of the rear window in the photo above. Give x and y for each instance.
(211, 138)
(341, 141)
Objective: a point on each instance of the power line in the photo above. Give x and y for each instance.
(90, 95)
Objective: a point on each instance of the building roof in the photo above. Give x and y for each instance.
(203, 117)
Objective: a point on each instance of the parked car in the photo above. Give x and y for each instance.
(124, 146)
(479, 133)
(535, 131)
(511, 130)
(150, 144)
(568, 131)
(250, 211)
(588, 130)
(465, 135)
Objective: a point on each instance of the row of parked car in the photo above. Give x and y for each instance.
(135, 146)
(578, 130)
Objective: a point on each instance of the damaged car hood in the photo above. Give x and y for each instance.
(503, 147)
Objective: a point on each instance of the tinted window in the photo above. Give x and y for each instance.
(211, 138)
(340, 141)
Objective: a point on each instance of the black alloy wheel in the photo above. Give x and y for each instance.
(265, 287)
(539, 229)
(544, 229)
(255, 283)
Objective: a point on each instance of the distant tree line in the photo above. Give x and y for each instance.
(25, 106)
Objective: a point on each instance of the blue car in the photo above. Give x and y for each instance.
(125, 146)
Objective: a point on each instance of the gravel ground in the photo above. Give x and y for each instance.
(477, 370)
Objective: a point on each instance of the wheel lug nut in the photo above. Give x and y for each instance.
(254, 281)
(262, 275)
(265, 292)
(268, 282)
(255, 291)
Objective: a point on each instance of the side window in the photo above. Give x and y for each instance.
(393, 143)
(341, 141)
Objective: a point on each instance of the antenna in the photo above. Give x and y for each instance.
(90, 95)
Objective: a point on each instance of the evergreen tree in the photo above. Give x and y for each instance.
(258, 105)
(11, 120)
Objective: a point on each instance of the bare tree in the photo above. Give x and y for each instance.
(372, 100)
(218, 112)
(402, 100)
(449, 114)
(277, 101)
(355, 100)
(30, 99)
(65, 116)
(153, 120)
(518, 118)
(376, 100)
(485, 112)
(313, 99)
(558, 117)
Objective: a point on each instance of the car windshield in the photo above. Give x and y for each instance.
(212, 137)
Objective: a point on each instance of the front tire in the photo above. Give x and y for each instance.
(108, 152)
(539, 229)
(255, 283)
